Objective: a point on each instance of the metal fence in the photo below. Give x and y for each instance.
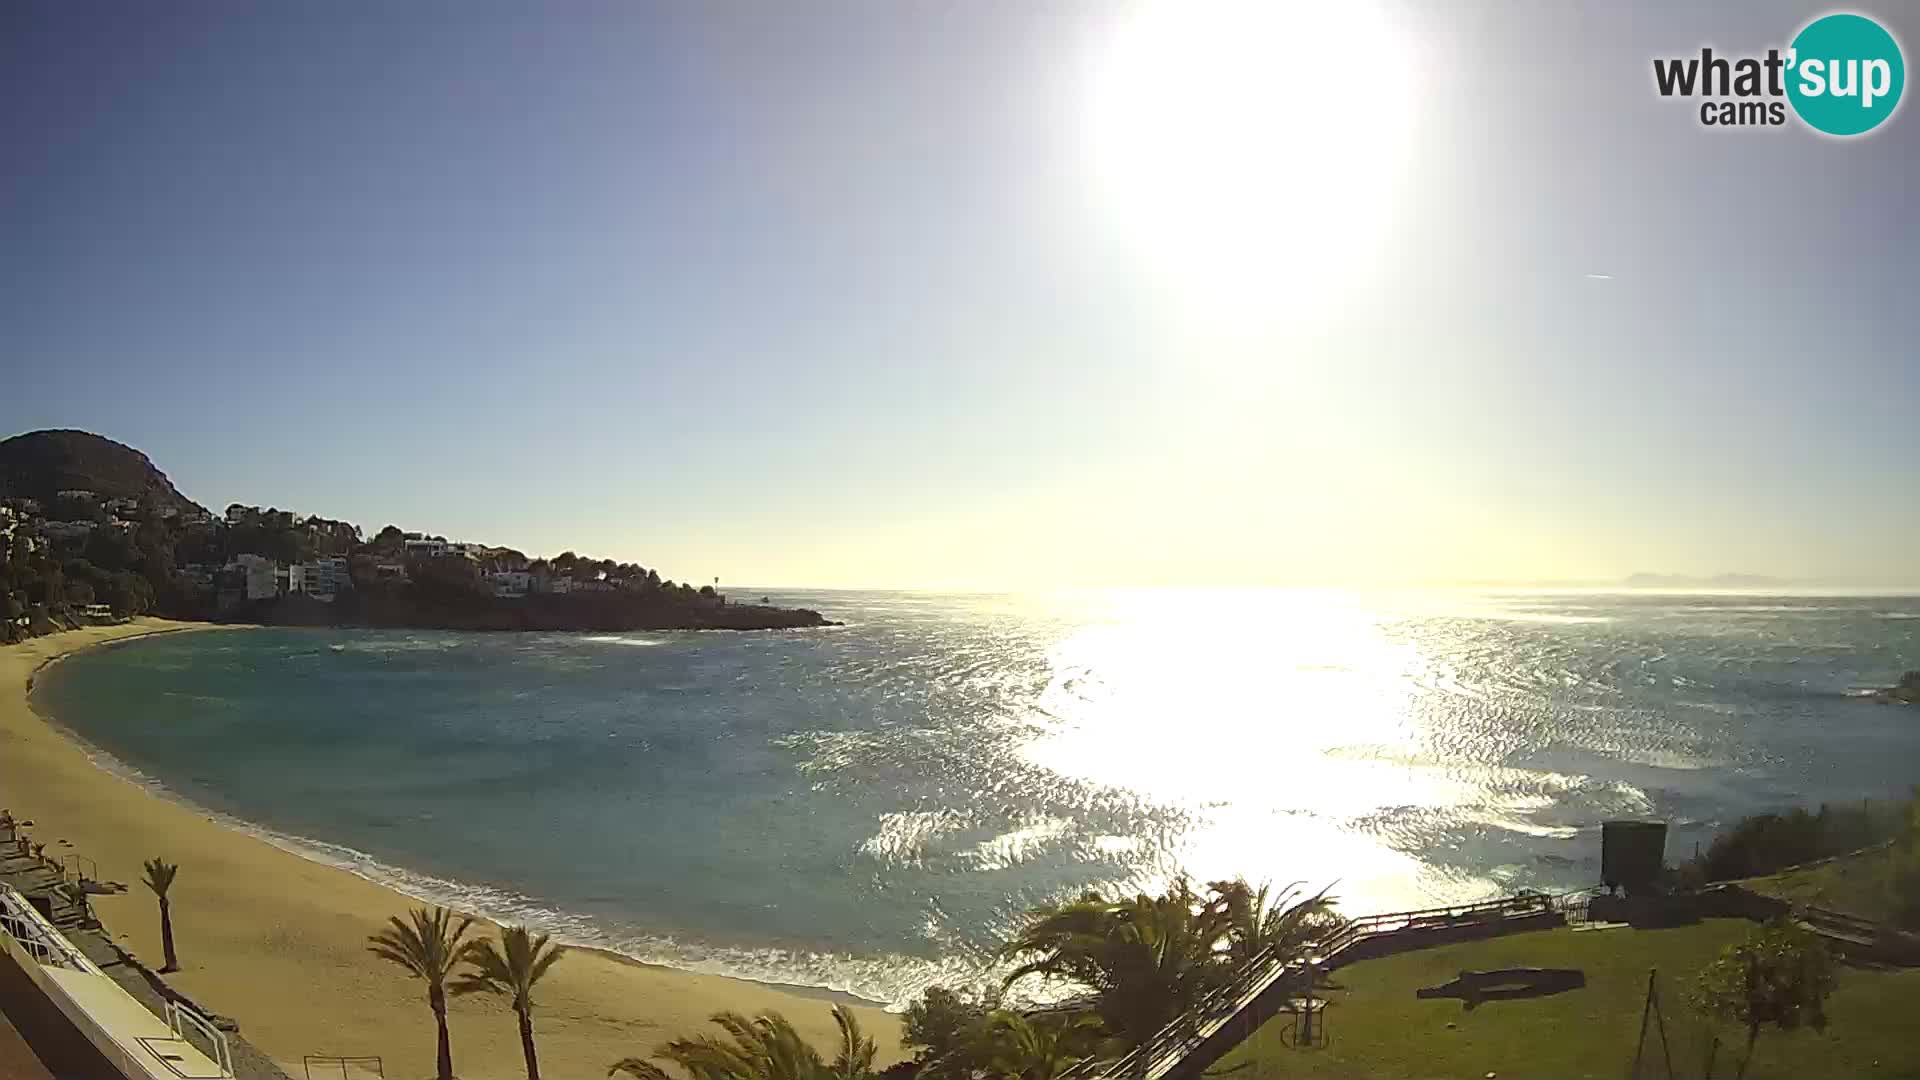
(367, 1067)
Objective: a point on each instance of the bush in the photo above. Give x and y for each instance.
(947, 1029)
(1766, 843)
(1903, 889)
(1780, 976)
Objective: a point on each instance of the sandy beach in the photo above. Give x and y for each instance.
(278, 942)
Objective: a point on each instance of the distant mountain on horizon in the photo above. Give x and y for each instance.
(1718, 581)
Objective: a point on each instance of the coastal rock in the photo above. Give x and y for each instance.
(426, 609)
(1907, 692)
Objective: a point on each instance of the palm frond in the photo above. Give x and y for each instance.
(429, 947)
(160, 875)
(510, 968)
(762, 1047)
(639, 1069)
(856, 1050)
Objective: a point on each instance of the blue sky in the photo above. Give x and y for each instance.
(833, 293)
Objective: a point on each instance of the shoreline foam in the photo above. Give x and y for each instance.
(302, 986)
(835, 978)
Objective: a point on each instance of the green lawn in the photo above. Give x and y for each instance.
(1857, 885)
(1378, 1028)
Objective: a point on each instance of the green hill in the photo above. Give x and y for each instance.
(40, 464)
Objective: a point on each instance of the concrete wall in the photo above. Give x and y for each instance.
(56, 1040)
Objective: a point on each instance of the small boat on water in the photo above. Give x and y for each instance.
(337, 647)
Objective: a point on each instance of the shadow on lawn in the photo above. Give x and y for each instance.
(1477, 987)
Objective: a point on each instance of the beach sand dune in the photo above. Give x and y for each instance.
(278, 942)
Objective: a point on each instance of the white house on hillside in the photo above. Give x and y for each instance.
(262, 575)
(327, 578)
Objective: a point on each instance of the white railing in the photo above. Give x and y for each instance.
(41, 941)
(78, 868)
(46, 946)
(186, 1023)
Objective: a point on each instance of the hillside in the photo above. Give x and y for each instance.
(111, 536)
(40, 464)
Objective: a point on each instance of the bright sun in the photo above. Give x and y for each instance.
(1252, 149)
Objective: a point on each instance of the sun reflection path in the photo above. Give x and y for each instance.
(1272, 718)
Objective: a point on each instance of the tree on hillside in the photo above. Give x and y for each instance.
(127, 593)
(445, 575)
(111, 549)
(70, 508)
(428, 949)
(157, 555)
(1779, 976)
(78, 593)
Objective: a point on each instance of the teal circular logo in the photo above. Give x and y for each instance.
(1845, 74)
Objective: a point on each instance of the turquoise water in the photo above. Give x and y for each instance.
(869, 807)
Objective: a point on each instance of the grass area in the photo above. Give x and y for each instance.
(1378, 1028)
(1856, 884)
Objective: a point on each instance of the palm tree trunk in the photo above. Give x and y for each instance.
(444, 1060)
(526, 1045)
(1753, 1032)
(166, 935)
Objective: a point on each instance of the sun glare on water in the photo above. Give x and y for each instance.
(1251, 150)
(1283, 684)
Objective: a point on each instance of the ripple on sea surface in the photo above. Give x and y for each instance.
(870, 809)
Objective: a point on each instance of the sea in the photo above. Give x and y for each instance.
(872, 807)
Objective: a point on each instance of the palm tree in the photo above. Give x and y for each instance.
(510, 970)
(1148, 960)
(1258, 919)
(160, 874)
(428, 949)
(764, 1048)
(1024, 1048)
(855, 1058)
